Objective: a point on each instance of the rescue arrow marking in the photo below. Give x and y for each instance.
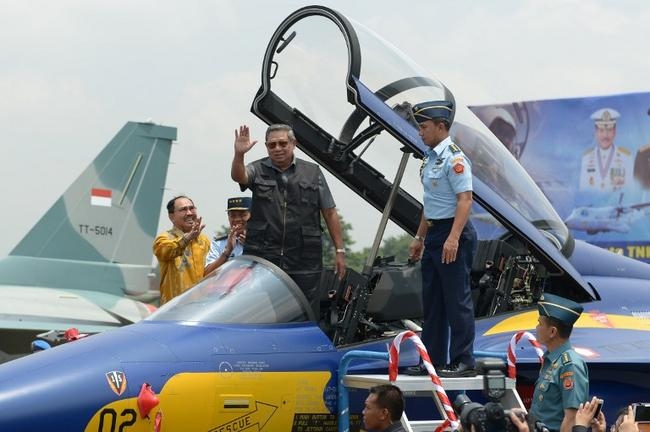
(259, 416)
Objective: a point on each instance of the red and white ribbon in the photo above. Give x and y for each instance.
(393, 364)
(512, 357)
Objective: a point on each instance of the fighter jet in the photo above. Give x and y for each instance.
(242, 350)
(87, 261)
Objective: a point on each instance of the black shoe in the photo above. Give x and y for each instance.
(458, 370)
(419, 370)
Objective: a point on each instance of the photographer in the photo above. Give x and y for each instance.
(493, 417)
(586, 417)
(518, 422)
(625, 421)
(383, 409)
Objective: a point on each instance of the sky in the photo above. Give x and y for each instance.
(73, 72)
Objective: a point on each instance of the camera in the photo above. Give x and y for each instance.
(491, 417)
(641, 412)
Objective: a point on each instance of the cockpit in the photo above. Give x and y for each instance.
(245, 290)
(346, 92)
(331, 73)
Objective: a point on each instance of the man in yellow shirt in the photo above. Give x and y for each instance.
(181, 251)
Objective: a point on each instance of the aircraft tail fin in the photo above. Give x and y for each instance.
(105, 221)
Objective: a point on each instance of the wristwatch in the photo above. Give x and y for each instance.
(419, 238)
(341, 250)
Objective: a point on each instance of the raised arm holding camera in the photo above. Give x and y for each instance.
(590, 415)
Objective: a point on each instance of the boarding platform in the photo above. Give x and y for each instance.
(419, 386)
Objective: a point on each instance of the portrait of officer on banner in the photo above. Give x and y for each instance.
(606, 167)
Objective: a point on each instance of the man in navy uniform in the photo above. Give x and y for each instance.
(232, 244)
(606, 167)
(563, 382)
(449, 242)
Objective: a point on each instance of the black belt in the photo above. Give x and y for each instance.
(435, 222)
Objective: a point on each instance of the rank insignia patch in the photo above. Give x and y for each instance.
(116, 381)
(567, 383)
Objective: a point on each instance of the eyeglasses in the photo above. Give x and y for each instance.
(186, 209)
(272, 144)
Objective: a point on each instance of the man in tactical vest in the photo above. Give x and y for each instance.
(289, 195)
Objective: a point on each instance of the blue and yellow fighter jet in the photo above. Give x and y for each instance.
(242, 351)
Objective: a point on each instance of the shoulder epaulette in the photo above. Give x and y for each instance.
(589, 150)
(566, 358)
(624, 150)
(644, 149)
(454, 148)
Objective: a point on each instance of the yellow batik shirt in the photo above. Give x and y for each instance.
(181, 265)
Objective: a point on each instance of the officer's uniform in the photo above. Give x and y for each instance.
(642, 166)
(218, 244)
(563, 381)
(606, 170)
(446, 292)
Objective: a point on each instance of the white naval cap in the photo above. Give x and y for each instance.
(605, 117)
(491, 113)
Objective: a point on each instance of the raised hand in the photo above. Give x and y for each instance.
(242, 140)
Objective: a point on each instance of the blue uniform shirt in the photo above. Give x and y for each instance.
(563, 383)
(445, 172)
(218, 245)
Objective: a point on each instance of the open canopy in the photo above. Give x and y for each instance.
(346, 92)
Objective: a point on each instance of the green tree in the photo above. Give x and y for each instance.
(223, 231)
(328, 247)
(396, 246)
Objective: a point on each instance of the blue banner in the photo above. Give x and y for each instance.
(591, 158)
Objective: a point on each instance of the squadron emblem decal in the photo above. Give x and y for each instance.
(116, 381)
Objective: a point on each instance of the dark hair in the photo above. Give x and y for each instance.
(280, 127)
(170, 204)
(563, 329)
(443, 121)
(390, 397)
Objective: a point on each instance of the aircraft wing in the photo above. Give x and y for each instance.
(91, 251)
(37, 308)
(640, 206)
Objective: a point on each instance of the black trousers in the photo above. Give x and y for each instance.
(448, 327)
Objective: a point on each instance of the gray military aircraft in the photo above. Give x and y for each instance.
(619, 218)
(87, 262)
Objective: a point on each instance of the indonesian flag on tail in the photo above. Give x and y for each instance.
(101, 197)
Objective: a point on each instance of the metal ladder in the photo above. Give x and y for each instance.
(411, 386)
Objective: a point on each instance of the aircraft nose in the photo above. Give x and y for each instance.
(61, 388)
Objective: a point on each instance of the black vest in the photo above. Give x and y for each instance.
(284, 227)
